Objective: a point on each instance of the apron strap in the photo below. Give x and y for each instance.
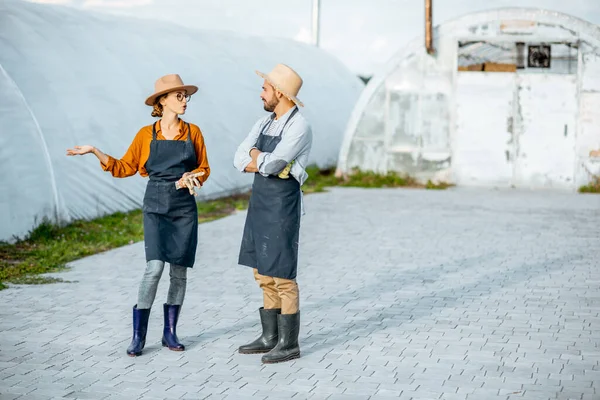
(189, 132)
(154, 130)
(284, 125)
(265, 126)
(288, 120)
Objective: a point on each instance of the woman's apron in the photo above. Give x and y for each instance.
(271, 232)
(170, 215)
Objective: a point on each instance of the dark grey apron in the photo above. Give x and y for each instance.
(272, 229)
(170, 215)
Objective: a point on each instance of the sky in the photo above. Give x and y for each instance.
(363, 34)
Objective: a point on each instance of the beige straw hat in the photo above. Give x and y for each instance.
(167, 84)
(286, 80)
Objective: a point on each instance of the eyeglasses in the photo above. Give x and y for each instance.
(181, 96)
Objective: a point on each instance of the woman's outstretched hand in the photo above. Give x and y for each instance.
(80, 150)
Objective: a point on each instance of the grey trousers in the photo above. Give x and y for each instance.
(149, 284)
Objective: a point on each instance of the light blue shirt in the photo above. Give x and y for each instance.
(295, 144)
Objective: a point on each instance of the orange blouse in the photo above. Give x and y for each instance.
(136, 156)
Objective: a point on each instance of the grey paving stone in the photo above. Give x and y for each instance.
(453, 295)
(87, 395)
(9, 396)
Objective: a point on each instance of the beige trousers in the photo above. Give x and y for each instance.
(279, 293)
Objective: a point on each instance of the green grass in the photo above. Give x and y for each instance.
(592, 187)
(319, 179)
(48, 248)
(219, 208)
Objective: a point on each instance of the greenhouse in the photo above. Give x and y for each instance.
(509, 98)
(69, 77)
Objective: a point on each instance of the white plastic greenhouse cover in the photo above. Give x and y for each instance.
(69, 77)
(425, 147)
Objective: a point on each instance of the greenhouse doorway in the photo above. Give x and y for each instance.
(515, 115)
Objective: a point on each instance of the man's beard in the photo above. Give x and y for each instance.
(270, 106)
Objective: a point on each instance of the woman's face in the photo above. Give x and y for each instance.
(176, 102)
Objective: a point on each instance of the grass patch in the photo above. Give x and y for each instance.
(48, 248)
(319, 179)
(219, 208)
(592, 187)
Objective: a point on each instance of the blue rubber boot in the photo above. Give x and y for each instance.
(170, 332)
(140, 327)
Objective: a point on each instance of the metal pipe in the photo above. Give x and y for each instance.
(316, 22)
(428, 27)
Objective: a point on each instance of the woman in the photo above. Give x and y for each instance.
(172, 154)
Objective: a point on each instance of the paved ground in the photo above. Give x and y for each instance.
(461, 294)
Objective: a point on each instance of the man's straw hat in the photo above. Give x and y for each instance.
(286, 80)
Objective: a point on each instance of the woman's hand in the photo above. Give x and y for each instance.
(190, 181)
(80, 150)
(193, 178)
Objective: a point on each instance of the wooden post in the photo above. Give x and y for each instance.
(428, 27)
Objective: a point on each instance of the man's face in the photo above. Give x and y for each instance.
(269, 97)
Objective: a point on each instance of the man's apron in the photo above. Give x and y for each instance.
(170, 215)
(272, 229)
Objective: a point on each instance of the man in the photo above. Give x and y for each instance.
(278, 144)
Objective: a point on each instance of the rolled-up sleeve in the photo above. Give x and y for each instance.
(295, 140)
(242, 155)
(129, 164)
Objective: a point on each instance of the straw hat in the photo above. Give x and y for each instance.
(286, 80)
(167, 84)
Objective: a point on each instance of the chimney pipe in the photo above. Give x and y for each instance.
(316, 22)
(428, 27)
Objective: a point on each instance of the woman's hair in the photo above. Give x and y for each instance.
(157, 110)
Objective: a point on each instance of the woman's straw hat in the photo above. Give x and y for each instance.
(167, 84)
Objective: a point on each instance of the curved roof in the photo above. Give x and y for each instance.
(69, 77)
